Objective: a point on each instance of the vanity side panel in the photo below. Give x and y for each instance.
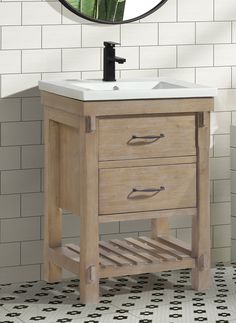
(69, 168)
(62, 103)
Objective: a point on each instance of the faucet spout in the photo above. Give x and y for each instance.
(109, 60)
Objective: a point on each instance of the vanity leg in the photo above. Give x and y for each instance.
(52, 213)
(89, 224)
(159, 227)
(201, 275)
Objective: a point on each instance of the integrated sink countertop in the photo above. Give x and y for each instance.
(150, 88)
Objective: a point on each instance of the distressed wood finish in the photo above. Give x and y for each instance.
(201, 278)
(116, 137)
(159, 227)
(65, 258)
(90, 171)
(116, 256)
(160, 214)
(116, 185)
(88, 204)
(124, 108)
(175, 243)
(52, 212)
(148, 162)
(69, 160)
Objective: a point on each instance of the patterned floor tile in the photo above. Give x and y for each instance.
(104, 318)
(46, 313)
(187, 312)
(229, 301)
(163, 297)
(6, 317)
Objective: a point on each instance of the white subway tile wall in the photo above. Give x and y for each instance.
(10, 61)
(41, 60)
(21, 37)
(137, 34)
(186, 39)
(10, 13)
(61, 36)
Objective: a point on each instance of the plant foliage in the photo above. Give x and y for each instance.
(107, 10)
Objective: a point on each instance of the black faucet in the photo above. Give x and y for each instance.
(109, 60)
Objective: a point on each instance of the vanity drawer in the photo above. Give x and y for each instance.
(177, 185)
(162, 136)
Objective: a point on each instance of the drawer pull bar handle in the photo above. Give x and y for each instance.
(150, 190)
(152, 138)
(145, 190)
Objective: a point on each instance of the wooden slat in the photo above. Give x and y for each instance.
(114, 258)
(175, 244)
(133, 256)
(175, 253)
(73, 247)
(150, 249)
(69, 260)
(147, 268)
(148, 162)
(145, 258)
(132, 251)
(146, 215)
(65, 258)
(107, 246)
(103, 261)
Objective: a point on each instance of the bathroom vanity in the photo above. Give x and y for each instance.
(114, 157)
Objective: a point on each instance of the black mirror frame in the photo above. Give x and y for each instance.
(69, 7)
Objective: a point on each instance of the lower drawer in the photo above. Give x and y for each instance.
(149, 188)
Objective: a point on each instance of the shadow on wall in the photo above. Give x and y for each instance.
(19, 85)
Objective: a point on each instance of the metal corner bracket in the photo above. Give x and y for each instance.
(200, 120)
(90, 124)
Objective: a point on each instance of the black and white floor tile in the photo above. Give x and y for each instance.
(164, 297)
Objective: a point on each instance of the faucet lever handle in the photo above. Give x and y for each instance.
(110, 43)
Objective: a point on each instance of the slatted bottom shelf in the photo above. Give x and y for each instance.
(130, 256)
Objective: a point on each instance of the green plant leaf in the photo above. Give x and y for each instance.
(88, 7)
(74, 3)
(107, 10)
(115, 10)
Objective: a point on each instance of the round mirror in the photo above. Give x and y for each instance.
(113, 11)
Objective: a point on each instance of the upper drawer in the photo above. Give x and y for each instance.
(161, 136)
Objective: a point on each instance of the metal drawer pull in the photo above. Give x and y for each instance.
(152, 138)
(151, 190)
(154, 191)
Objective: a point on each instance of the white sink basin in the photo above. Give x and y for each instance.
(154, 88)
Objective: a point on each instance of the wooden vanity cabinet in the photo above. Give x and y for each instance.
(126, 160)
